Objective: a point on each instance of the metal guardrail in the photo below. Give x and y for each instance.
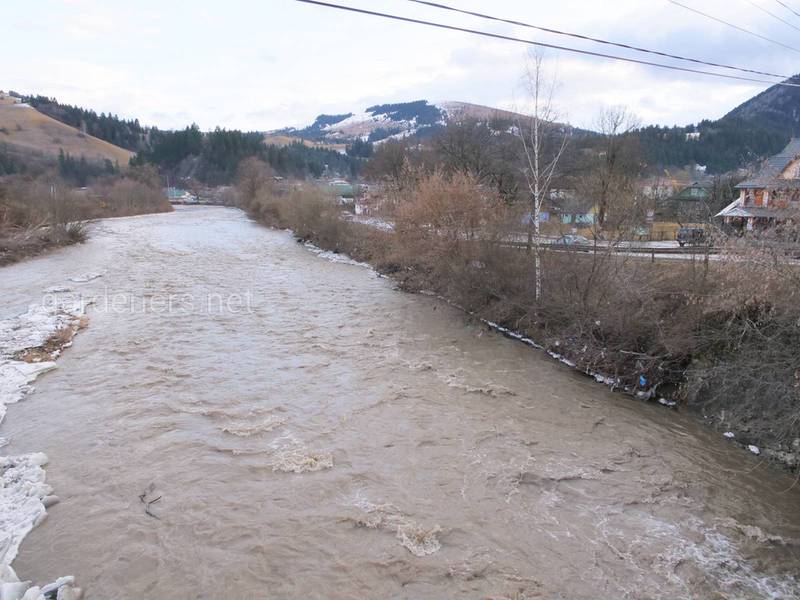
(686, 250)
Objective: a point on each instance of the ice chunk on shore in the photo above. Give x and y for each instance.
(11, 588)
(34, 327)
(16, 378)
(29, 331)
(21, 508)
(34, 336)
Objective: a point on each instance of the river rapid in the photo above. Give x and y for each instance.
(312, 432)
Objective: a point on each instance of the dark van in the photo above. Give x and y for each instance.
(692, 236)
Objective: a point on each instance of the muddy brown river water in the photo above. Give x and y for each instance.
(314, 433)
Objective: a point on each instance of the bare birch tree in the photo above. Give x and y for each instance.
(543, 143)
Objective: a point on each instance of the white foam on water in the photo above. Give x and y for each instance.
(454, 380)
(85, 277)
(247, 429)
(418, 539)
(696, 558)
(301, 461)
(24, 494)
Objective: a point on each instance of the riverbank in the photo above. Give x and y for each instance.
(30, 343)
(689, 336)
(37, 216)
(16, 244)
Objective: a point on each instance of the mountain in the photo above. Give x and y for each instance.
(777, 108)
(28, 133)
(742, 138)
(385, 121)
(759, 128)
(756, 129)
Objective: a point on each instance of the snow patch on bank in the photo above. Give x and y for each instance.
(29, 343)
(334, 257)
(15, 380)
(21, 500)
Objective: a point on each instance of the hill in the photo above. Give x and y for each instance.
(777, 108)
(385, 121)
(756, 129)
(30, 133)
(286, 140)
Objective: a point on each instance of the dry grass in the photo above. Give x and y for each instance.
(53, 345)
(29, 130)
(36, 215)
(287, 140)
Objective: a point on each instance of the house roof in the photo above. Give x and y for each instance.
(568, 201)
(690, 192)
(769, 175)
(734, 210)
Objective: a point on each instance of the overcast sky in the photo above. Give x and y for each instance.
(266, 64)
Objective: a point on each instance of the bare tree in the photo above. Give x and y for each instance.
(252, 176)
(544, 143)
(619, 164)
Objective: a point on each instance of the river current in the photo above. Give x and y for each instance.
(298, 428)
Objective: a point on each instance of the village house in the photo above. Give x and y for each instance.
(690, 206)
(771, 197)
(563, 211)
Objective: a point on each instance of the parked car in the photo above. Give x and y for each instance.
(573, 240)
(692, 236)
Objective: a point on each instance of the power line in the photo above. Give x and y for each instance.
(593, 39)
(773, 15)
(789, 8)
(541, 44)
(742, 29)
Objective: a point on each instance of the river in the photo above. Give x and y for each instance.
(314, 433)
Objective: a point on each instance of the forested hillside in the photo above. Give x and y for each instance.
(127, 134)
(756, 129)
(760, 127)
(722, 146)
(213, 157)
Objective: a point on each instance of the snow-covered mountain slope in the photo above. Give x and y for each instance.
(385, 121)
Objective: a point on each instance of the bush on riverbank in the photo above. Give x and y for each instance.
(722, 336)
(38, 213)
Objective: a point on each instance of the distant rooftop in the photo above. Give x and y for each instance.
(769, 175)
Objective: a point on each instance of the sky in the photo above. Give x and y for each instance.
(261, 65)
